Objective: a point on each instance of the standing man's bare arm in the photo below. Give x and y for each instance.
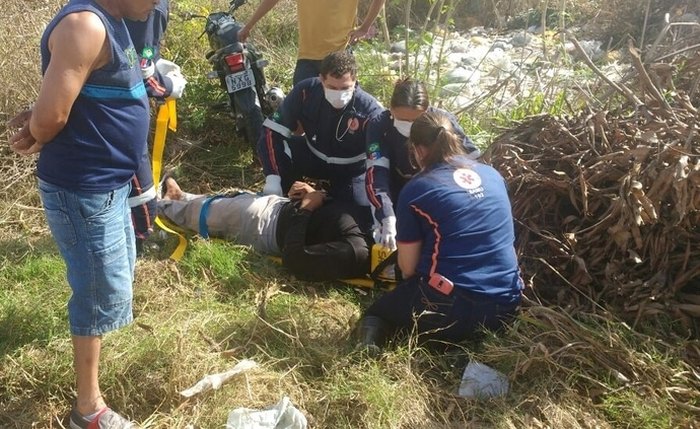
(78, 45)
(360, 32)
(264, 7)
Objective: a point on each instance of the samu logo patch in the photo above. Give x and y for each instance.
(353, 125)
(467, 178)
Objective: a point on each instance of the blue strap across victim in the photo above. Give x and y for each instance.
(203, 229)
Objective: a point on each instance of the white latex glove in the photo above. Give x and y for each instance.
(147, 68)
(387, 234)
(172, 71)
(273, 185)
(179, 83)
(165, 66)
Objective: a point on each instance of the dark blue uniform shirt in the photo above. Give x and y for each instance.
(389, 163)
(335, 138)
(147, 36)
(462, 216)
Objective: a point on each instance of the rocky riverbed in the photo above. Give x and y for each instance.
(477, 65)
(481, 71)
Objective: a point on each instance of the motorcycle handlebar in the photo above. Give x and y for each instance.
(235, 4)
(186, 16)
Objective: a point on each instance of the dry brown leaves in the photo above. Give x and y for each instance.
(607, 204)
(23, 22)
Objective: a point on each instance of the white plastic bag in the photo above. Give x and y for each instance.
(214, 381)
(282, 415)
(482, 381)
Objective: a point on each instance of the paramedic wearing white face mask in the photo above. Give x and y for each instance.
(338, 98)
(319, 132)
(389, 163)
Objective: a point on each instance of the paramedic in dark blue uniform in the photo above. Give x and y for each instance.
(329, 114)
(162, 79)
(147, 36)
(455, 245)
(389, 164)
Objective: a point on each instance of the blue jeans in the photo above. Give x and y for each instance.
(95, 236)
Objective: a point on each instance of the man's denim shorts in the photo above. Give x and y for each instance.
(96, 239)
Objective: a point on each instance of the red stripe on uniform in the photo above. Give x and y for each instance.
(369, 184)
(436, 248)
(153, 82)
(143, 207)
(137, 185)
(148, 216)
(271, 151)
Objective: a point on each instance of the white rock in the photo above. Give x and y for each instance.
(399, 46)
(592, 48)
(458, 103)
(482, 381)
(478, 40)
(452, 90)
(459, 45)
(455, 59)
(476, 55)
(502, 45)
(459, 74)
(521, 39)
(478, 31)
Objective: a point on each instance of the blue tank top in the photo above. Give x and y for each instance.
(100, 146)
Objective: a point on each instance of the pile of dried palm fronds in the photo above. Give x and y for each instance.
(607, 204)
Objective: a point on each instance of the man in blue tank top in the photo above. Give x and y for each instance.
(89, 125)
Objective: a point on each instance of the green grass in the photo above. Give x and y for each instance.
(630, 408)
(223, 303)
(32, 303)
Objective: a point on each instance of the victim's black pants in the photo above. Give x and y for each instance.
(325, 244)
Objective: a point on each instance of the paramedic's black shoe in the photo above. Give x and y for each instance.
(372, 335)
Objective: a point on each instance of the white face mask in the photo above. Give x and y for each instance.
(403, 127)
(338, 98)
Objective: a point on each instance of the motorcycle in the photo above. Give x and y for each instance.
(239, 68)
